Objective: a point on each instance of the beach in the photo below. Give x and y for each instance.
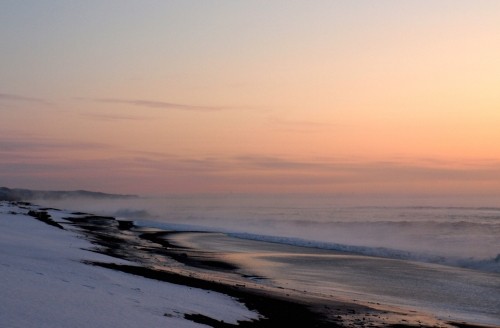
(70, 268)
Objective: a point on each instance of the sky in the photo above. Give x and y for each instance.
(347, 97)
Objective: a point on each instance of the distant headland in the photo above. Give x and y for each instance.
(16, 194)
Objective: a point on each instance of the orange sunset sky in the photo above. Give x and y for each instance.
(354, 97)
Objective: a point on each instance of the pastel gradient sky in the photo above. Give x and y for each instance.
(353, 97)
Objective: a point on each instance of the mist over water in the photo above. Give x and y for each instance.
(422, 230)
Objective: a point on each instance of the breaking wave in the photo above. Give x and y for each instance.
(489, 265)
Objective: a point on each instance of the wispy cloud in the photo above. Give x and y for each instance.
(61, 161)
(18, 98)
(160, 104)
(275, 163)
(39, 144)
(112, 117)
(326, 170)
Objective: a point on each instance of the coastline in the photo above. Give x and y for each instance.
(151, 253)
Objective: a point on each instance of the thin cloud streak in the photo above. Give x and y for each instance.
(13, 97)
(314, 171)
(35, 144)
(41, 159)
(110, 117)
(371, 171)
(159, 104)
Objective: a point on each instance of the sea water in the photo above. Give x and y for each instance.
(436, 256)
(419, 230)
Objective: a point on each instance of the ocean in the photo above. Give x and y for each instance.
(439, 258)
(461, 236)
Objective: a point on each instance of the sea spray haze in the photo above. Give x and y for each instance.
(451, 232)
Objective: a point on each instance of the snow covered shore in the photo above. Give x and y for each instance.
(45, 283)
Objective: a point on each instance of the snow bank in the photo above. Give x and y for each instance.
(45, 284)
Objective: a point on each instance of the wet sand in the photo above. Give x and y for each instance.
(168, 256)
